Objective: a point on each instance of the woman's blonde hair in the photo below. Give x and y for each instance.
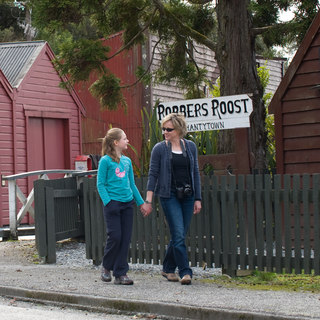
(108, 146)
(179, 123)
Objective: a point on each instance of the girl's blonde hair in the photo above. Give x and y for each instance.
(108, 146)
(179, 123)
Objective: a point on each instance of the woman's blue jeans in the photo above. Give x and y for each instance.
(178, 214)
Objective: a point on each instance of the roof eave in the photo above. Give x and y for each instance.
(6, 85)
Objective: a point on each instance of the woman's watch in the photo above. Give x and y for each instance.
(147, 202)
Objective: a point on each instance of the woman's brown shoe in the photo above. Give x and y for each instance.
(186, 279)
(170, 276)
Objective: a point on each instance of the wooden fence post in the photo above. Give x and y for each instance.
(297, 223)
(287, 219)
(51, 230)
(40, 217)
(242, 221)
(268, 222)
(306, 224)
(13, 208)
(87, 217)
(316, 222)
(278, 226)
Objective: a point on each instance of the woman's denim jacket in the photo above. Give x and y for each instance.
(159, 178)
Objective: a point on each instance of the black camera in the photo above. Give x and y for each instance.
(186, 190)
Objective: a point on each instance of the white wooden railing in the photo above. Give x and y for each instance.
(15, 193)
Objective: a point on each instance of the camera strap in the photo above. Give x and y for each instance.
(184, 153)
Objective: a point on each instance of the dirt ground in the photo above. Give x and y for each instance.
(20, 251)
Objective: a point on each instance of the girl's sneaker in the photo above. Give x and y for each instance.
(105, 275)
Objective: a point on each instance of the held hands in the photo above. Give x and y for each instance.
(197, 207)
(146, 209)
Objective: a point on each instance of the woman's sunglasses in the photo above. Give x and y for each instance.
(167, 129)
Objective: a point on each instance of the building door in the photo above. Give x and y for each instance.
(47, 146)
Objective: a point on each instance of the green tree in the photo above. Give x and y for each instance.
(264, 77)
(55, 39)
(227, 27)
(10, 17)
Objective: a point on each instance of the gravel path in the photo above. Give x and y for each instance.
(73, 254)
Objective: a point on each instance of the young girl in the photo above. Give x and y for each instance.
(117, 190)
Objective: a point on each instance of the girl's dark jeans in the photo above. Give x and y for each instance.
(118, 218)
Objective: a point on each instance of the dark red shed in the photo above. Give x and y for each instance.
(39, 122)
(296, 109)
(97, 121)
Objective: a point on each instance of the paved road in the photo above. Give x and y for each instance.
(151, 293)
(17, 310)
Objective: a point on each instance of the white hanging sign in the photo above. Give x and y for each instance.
(228, 112)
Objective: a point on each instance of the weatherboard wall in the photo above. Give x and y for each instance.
(6, 154)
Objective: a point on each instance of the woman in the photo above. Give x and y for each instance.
(174, 177)
(118, 192)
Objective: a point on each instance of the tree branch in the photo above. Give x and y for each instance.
(200, 38)
(199, 1)
(256, 31)
(135, 37)
(194, 62)
(150, 64)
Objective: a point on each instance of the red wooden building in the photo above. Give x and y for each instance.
(39, 122)
(296, 109)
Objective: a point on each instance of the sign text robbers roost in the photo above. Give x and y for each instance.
(228, 112)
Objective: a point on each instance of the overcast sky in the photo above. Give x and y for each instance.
(286, 15)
